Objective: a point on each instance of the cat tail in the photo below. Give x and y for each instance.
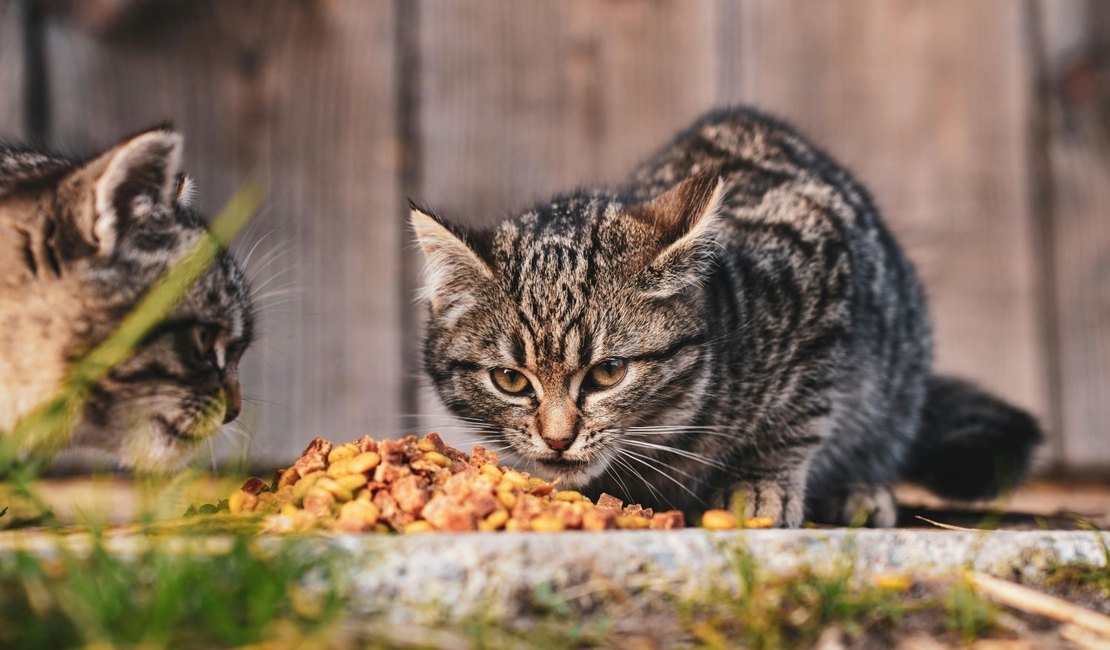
(970, 445)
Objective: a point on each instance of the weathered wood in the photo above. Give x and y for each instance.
(928, 102)
(1076, 38)
(519, 100)
(11, 72)
(300, 96)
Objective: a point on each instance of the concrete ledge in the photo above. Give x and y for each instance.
(441, 577)
(405, 578)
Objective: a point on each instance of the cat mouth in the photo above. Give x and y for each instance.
(570, 473)
(564, 464)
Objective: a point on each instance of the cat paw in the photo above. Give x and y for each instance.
(868, 505)
(780, 502)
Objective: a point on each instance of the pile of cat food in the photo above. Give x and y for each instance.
(420, 485)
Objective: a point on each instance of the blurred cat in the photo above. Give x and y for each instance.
(80, 243)
(735, 320)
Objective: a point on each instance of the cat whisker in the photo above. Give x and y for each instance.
(623, 462)
(644, 460)
(270, 279)
(254, 247)
(701, 458)
(612, 471)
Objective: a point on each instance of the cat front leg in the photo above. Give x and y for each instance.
(781, 498)
(773, 481)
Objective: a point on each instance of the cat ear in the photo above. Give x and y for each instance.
(131, 181)
(684, 218)
(452, 266)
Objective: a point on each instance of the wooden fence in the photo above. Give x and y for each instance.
(981, 127)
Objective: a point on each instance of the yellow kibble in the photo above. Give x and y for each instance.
(437, 458)
(340, 468)
(418, 527)
(759, 522)
(515, 479)
(338, 491)
(506, 497)
(360, 512)
(718, 520)
(492, 472)
(514, 525)
(632, 522)
(240, 502)
(304, 485)
(364, 462)
(352, 481)
(342, 452)
(318, 502)
(290, 510)
(494, 521)
(897, 583)
(547, 524)
(535, 482)
(569, 496)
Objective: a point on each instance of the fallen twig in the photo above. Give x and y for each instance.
(1035, 602)
(947, 526)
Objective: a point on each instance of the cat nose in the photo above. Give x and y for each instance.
(559, 444)
(233, 400)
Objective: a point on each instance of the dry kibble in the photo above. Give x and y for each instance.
(496, 519)
(304, 485)
(630, 522)
(516, 479)
(352, 481)
(418, 527)
(569, 495)
(718, 520)
(492, 472)
(241, 502)
(437, 458)
(318, 502)
(342, 452)
(548, 524)
(759, 522)
(338, 491)
(365, 462)
(415, 486)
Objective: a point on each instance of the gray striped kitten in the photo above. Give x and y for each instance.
(736, 322)
(81, 241)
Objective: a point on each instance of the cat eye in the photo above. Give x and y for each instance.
(606, 374)
(510, 381)
(204, 337)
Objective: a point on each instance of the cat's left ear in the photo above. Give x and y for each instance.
(132, 181)
(684, 219)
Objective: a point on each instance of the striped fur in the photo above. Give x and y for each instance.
(80, 243)
(776, 336)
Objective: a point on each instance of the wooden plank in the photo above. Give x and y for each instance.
(524, 99)
(11, 72)
(928, 103)
(301, 96)
(1076, 37)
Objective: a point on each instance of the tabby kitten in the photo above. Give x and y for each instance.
(80, 243)
(735, 322)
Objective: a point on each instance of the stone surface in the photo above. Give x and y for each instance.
(431, 578)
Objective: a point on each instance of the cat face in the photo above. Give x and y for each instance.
(561, 326)
(94, 238)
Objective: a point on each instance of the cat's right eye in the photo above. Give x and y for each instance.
(509, 381)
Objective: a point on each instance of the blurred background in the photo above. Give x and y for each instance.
(980, 127)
